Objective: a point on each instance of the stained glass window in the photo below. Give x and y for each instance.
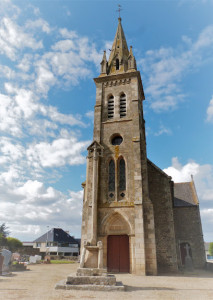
(122, 175)
(111, 176)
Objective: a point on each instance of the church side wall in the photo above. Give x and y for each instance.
(188, 230)
(161, 197)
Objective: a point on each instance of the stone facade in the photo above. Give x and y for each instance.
(160, 189)
(125, 195)
(188, 229)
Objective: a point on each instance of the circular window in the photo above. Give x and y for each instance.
(117, 140)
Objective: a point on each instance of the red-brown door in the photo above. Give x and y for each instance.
(118, 253)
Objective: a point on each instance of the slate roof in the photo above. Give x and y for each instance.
(185, 194)
(56, 235)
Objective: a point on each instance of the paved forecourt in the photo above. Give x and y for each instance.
(39, 283)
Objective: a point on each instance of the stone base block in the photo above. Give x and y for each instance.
(92, 287)
(97, 280)
(91, 272)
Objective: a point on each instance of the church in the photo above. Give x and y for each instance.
(135, 218)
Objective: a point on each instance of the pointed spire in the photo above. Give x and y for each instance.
(121, 59)
(119, 53)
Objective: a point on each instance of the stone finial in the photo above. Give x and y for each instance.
(104, 64)
(131, 60)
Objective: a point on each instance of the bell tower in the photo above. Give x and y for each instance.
(118, 230)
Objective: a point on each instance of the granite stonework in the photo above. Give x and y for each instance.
(62, 285)
(144, 211)
(90, 279)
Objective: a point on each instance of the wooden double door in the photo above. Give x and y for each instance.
(118, 253)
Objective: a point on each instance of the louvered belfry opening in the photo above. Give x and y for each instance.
(111, 107)
(122, 105)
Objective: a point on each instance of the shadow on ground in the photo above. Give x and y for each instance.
(137, 288)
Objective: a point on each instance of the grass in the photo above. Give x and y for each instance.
(61, 261)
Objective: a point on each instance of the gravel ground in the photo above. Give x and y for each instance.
(39, 281)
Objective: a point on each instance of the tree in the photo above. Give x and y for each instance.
(211, 249)
(13, 244)
(3, 240)
(4, 230)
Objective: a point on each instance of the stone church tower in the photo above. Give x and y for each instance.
(117, 209)
(120, 230)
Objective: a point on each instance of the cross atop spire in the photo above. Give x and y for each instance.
(119, 10)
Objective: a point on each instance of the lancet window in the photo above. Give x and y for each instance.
(111, 180)
(117, 180)
(122, 176)
(122, 105)
(110, 107)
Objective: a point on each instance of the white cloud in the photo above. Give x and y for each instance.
(59, 153)
(26, 62)
(65, 33)
(166, 68)
(90, 114)
(13, 38)
(38, 24)
(210, 111)
(28, 208)
(181, 173)
(202, 174)
(163, 130)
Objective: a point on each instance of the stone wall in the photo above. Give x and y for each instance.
(209, 266)
(161, 197)
(188, 230)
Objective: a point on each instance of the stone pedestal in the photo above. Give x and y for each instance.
(90, 279)
(91, 272)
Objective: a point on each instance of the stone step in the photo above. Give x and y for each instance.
(91, 287)
(96, 280)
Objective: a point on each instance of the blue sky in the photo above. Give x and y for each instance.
(50, 51)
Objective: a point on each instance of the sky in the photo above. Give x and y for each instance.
(50, 51)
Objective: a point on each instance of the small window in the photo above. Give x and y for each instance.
(117, 64)
(111, 107)
(122, 105)
(117, 140)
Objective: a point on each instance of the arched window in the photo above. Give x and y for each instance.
(117, 64)
(122, 105)
(122, 176)
(110, 107)
(111, 181)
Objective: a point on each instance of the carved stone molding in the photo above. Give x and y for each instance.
(117, 82)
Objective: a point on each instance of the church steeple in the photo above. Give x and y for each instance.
(121, 59)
